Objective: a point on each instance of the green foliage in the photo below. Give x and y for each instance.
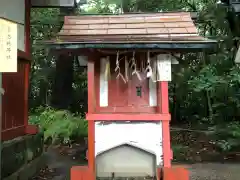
(59, 125)
(178, 149)
(203, 90)
(227, 137)
(207, 80)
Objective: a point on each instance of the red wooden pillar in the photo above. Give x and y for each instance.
(84, 172)
(163, 108)
(26, 68)
(91, 124)
(167, 172)
(27, 26)
(29, 129)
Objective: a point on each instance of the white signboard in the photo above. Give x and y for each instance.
(164, 67)
(8, 46)
(103, 83)
(53, 3)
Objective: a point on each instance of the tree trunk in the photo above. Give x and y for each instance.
(207, 93)
(125, 6)
(62, 89)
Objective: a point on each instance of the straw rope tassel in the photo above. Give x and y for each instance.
(126, 68)
(134, 66)
(117, 69)
(149, 68)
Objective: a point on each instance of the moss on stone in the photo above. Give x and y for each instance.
(20, 151)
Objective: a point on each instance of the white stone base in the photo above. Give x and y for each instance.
(128, 149)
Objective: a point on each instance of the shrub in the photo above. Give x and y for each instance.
(59, 125)
(227, 136)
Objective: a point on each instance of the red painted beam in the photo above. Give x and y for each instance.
(128, 117)
(31, 129)
(12, 133)
(23, 56)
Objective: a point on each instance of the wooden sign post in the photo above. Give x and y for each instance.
(8, 59)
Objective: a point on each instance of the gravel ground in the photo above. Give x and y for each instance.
(199, 171)
(59, 167)
(214, 171)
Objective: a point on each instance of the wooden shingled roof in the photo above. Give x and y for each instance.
(127, 28)
(130, 28)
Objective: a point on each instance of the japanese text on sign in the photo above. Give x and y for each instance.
(164, 68)
(8, 46)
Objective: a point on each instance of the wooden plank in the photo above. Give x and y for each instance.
(128, 117)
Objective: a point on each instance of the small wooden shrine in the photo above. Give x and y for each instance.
(129, 60)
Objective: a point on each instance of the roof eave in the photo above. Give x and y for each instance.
(186, 46)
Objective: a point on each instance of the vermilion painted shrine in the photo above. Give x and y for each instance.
(129, 59)
(129, 66)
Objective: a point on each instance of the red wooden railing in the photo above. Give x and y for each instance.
(13, 105)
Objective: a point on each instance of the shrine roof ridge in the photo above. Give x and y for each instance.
(156, 28)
